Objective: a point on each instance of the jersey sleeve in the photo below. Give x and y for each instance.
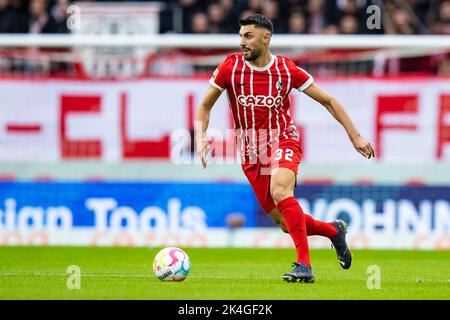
(301, 79)
(221, 76)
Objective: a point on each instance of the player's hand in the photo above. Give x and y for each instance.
(203, 149)
(364, 147)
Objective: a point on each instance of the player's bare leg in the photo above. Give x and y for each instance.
(282, 185)
(282, 182)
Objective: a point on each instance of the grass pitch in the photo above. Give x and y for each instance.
(232, 274)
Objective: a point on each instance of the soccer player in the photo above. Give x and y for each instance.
(258, 85)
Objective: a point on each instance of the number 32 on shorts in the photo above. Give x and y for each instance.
(288, 153)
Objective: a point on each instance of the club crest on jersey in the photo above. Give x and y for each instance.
(260, 101)
(279, 85)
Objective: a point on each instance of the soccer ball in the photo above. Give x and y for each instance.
(171, 264)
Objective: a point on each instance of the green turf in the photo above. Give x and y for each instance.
(126, 273)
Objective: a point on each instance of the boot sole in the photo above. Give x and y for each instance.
(291, 279)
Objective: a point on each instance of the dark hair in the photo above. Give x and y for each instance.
(258, 20)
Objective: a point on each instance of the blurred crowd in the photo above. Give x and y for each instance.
(33, 16)
(319, 16)
(221, 16)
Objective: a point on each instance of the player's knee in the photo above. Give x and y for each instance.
(279, 193)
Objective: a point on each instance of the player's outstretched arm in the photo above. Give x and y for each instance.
(361, 144)
(202, 121)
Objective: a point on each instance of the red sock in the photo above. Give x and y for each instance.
(294, 219)
(319, 228)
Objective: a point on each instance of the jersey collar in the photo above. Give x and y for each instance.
(266, 67)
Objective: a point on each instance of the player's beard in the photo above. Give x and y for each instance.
(254, 54)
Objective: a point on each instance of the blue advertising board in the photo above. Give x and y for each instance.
(90, 203)
(199, 206)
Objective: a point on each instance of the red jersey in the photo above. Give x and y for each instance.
(259, 100)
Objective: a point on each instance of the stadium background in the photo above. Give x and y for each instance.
(94, 140)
